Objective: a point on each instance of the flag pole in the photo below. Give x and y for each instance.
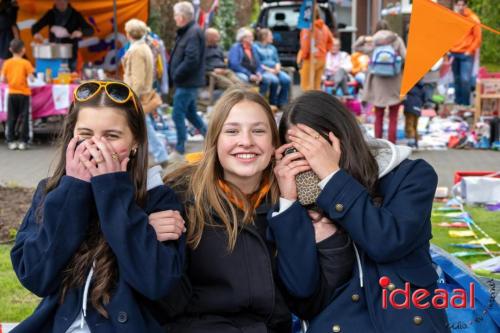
(312, 47)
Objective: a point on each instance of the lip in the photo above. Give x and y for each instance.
(245, 160)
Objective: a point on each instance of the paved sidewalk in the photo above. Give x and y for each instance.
(27, 168)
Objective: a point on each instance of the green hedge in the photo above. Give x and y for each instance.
(489, 14)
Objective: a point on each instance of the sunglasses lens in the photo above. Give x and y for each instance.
(86, 90)
(118, 92)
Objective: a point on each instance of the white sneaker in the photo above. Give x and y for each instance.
(12, 145)
(22, 146)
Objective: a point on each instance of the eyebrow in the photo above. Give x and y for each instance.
(106, 131)
(253, 124)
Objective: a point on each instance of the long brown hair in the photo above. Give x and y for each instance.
(324, 113)
(94, 247)
(201, 178)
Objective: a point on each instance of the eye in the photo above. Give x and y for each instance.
(259, 130)
(112, 136)
(85, 135)
(231, 131)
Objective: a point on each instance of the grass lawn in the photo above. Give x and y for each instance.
(16, 303)
(488, 221)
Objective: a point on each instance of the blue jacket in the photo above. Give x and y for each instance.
(236, 56)
(392, 240)
(187, 61)
(266, 54)
(147, 269)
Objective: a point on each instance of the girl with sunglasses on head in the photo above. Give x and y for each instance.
(85, 245)
(383, 200)
(230, 283)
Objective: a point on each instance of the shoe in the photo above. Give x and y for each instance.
(12, 145)
(22, 146)
(175, 157)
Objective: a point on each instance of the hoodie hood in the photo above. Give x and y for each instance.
(387, 155)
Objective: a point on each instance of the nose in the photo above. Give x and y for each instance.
(246, 139)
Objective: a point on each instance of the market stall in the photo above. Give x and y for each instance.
(46, 100)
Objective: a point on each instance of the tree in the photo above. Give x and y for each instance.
(489, 14)
(225, 22)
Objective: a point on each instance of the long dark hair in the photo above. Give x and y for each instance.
(95, 247)
(324, 113)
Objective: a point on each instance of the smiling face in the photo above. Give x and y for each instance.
(244, 146)
(109, 123)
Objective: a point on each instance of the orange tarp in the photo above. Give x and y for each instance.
(98, 13)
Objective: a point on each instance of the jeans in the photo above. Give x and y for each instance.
(185, 107)
(273, 82)
(155, 145)
(462, 73)
(243, 77)
(340, 78)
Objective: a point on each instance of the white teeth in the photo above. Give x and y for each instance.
(245, 156)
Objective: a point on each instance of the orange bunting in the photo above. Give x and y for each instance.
(434, 30)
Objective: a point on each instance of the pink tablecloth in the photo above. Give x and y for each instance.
(47, 100)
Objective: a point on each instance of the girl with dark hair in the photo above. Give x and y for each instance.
(231, 283)
(381, 199)
(85, 245)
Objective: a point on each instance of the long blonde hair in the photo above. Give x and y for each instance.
(202, 177)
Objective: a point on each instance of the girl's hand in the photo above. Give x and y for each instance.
(323, 156)
(168, 225)
(323, 227)
(105, 159)
(74, 167)
(287, 167)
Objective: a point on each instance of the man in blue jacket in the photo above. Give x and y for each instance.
(187, 74)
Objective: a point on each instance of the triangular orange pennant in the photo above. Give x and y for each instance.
(434, 30)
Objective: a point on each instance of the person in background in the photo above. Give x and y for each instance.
(273, 78)
(215, 63)
(360, 60)
(187, 74)
(463, 55)
(138, 74)
(16, 71)
(66, 25)
(383, 91)
(337, 68)
(323, 41)
(242, 58)
(8, 27)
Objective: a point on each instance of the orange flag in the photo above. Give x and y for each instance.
(433, 31)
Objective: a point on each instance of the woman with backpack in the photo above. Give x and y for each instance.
(383, 80)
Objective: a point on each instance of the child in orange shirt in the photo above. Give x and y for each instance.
(16, 72)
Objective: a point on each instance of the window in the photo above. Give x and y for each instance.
(283, 17)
